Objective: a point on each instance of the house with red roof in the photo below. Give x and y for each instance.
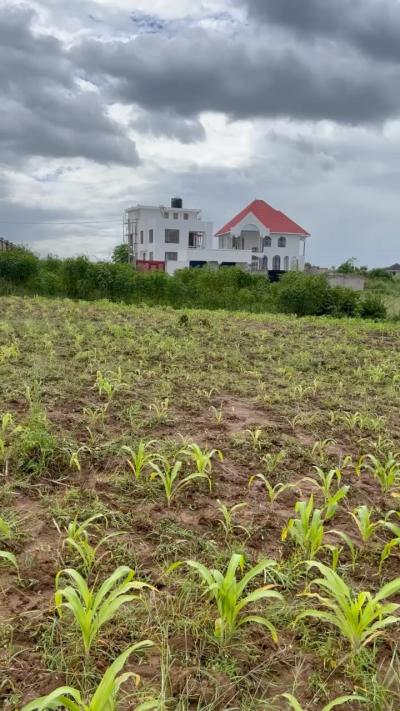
(275, 241)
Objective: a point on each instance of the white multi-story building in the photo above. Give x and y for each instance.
(259, 238)
(173, 235)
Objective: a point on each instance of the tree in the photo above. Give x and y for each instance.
(348, 267)
(121, 254)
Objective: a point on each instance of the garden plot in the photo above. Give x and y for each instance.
(198, 511)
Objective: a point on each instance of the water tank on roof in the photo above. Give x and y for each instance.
(176, 202)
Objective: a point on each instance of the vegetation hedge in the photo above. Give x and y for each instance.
(228, 288)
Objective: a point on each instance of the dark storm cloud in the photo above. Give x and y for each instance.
(370, 25)
(43, 111)
(244, 78)
(170, 125)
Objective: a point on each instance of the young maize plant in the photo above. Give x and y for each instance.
(272, 461)
(104, 386)
(5, 532)
(255, 437)
(307, 531)
(362, 516)
(273, 491)
(227, 593)
(227, 521)
(140, 458)
(78, 540)
(161, 410)
(331, 498)
(218, 414)
(361, 617)
(105, 696)
(170, 477)
(202, 459)
(92, 609)
(7, 430)
(296, 706)
(393, 543)
(386, 471)
(320, 448)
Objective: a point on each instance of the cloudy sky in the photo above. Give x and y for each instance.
(106, 103)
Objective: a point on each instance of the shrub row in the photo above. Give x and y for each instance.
(227, 288)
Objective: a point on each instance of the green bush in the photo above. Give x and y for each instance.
(303, 294)
(380, 274)
(18, 265)
(343, 301)
(373, 307)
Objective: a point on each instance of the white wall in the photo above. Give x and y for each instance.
(153, 218)
(294, 248)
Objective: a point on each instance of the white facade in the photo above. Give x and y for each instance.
(277, 251)
(174, 235)
(179, 237)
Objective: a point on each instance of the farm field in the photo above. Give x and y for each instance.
(296, 423)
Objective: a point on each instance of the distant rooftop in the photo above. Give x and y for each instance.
(274, 220)
(393, 268)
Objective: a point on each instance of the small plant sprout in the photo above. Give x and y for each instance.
(160, 408)
(91, 609)
(362, 516)
(104, 386)
(5, 534)
(7, 430)
(320, 448)
(255, 437)
(307, 531)
(74, 460)
(296, 706)
(170, 476)
(272, 461)
(385, 470)
(78, 540)
(273, 491)
(360, 618)
(227, 592)
(393, 543)
(141, 458)
(105, 696)
(218, 414)
(349, 543)
(228, 515)
(202, 459)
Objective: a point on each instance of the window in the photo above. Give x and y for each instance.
(185, 215)
(151, 256)
(141, 236)
(151, 236)
(196, 239)
(267, 242)
(176, 216)
(265, 263)
(276, 263)
(171, 256)
(286, 264)
(295, 264)
(282, 242)
(237, 242)
(166, 215)
(172, 236)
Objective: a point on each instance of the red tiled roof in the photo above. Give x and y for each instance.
(274, 220)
